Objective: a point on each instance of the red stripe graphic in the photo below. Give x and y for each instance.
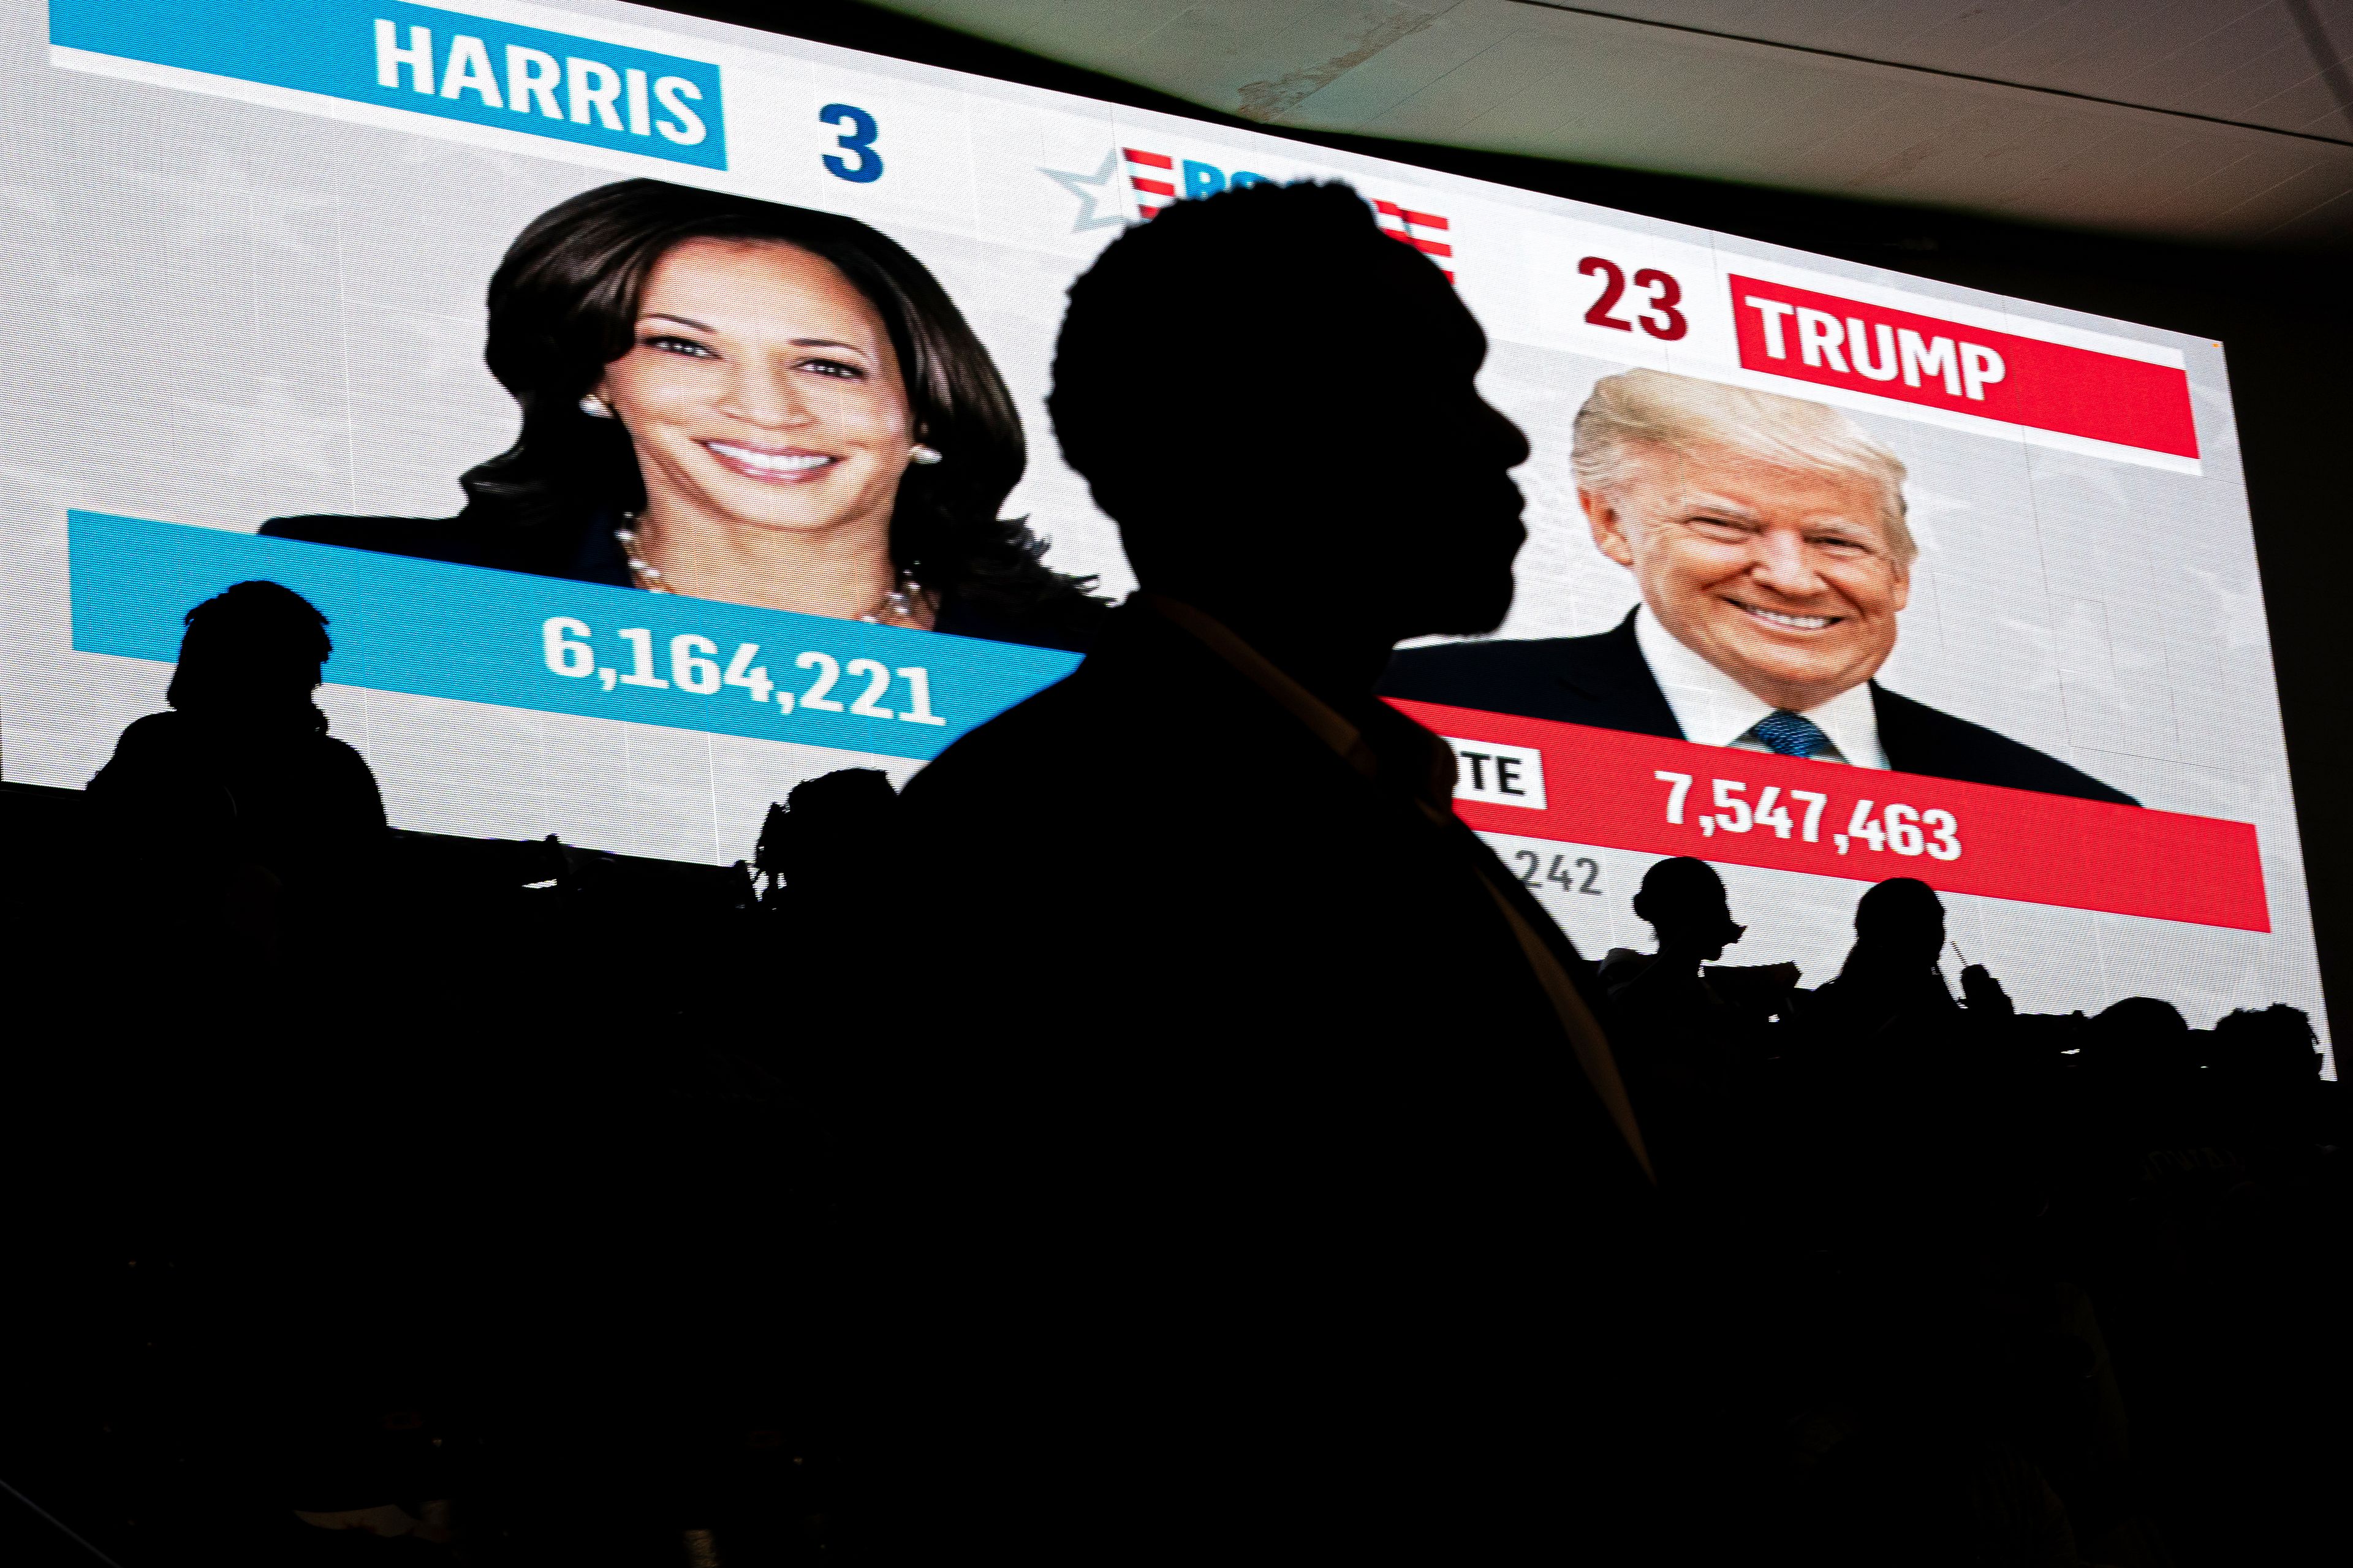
(1151, 195)
(1832, 342)
(1604, 788)
(1399, 222)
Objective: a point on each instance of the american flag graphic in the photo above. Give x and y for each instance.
(1152, 176)
(1418, 230)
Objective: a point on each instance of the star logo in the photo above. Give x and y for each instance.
(1088, 189)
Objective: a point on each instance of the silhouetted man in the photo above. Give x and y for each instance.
(1301, 1212)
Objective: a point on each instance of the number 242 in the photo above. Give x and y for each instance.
(1567, 879)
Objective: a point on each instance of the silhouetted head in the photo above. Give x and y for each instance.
(2275, 1046)
(1683, 900)
(254, 651)
(1901, 922)
(2139, 1035)
(834, 834)
(1276, 400)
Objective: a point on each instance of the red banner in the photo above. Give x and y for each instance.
(1832, 342)
(1538, 778)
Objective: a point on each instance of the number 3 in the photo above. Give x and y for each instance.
(1945, 845)
(1662, 321)
(858, 138)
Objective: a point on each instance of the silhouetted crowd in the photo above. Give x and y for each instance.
(1162, 1132)
(2011, 1289)
(497, 1206)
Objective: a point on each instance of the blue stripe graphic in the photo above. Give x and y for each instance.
(433, 629)
(428, 61)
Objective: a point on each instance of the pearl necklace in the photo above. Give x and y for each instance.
(903, 606)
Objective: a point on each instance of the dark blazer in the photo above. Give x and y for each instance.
(589, 553)
(1297, 1220)
(1604, 681)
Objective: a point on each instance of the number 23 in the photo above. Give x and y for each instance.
(1661, 320)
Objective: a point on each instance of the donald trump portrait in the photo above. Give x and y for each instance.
(1767, 537)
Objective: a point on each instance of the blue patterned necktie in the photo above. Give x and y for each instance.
(1791, 734)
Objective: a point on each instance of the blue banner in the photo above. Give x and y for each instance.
(428, 61)
(433, 629)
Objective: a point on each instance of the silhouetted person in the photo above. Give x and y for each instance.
(2140, 1039)
(2274, 1047)
(1686, 1045)
(1295, 1202)
(254, 841)
(239, 790)
(1683, 899)
(1898, 1078)
(1665, 1003)
(2268, 1059)
(1890, 976)
(2148, 1092)
(833, 838)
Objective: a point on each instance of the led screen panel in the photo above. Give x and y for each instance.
(248, 254)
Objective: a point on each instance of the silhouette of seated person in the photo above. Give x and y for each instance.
(1686, 1045)
(830, 843)
(1897, 1076)
(832, 851)
(1672, 1016)
(1298, 1078)
(1686, 896)
(240, 788)
(2270, 1060)
(2148, 1091)
(2138, 1047)
(1890, 978)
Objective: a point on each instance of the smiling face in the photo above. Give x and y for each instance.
(1785, 579)
(762, 392)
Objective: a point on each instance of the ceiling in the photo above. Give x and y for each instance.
(2224, 121)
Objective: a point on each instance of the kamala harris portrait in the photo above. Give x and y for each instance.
(732, 399)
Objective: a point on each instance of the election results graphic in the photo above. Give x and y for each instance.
(257, 237)
(1155, 179)
(420, 60)
(2125, 399)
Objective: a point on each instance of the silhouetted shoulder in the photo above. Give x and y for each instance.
(583, 551)
(1058, 744)
(430, 538)
(349, 779)
(1919, 739)
(1070, 620)
(158, 742)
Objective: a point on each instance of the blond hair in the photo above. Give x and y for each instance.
(1638, 409)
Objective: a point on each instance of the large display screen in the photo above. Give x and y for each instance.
(249, 250)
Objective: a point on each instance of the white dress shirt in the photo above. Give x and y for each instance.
(1716, 710)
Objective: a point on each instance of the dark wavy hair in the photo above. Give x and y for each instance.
(258, 649)
(563, 305)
